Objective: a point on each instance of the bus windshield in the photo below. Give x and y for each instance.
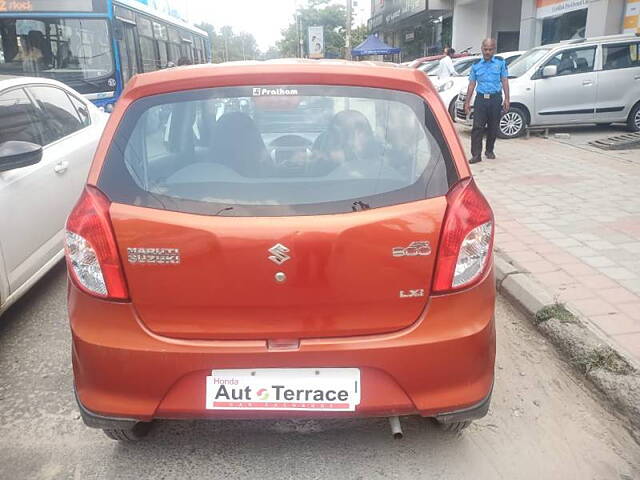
(75, 51)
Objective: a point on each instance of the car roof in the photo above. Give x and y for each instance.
(511, 54)
(7, 81)
(592, 41)
(280, 72)
(468, 58)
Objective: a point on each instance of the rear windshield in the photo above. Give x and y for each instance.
(277, 150)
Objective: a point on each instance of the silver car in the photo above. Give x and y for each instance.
(48, 135)
(587, 81)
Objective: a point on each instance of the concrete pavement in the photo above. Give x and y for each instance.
(569, 214)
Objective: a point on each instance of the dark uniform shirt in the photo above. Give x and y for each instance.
(489, 75)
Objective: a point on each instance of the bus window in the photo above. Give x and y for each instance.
(162, 37)
(147, 46)
(128, 55)
(197, 42)
(174, 45)
(186, 47)
(75, 51)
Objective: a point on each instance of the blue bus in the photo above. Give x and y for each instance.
(94, 46)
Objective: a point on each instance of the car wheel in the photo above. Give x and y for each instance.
(452, 109)
(633, 122)
(455, 427)
(512, 124)
(138, 432)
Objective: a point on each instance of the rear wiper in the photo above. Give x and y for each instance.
(225, 209)
(358, 206)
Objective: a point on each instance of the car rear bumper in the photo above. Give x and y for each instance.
(442, 366)
(461, 116)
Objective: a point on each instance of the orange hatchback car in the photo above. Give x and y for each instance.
(280, 239)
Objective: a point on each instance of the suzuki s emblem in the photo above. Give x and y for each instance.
(279, 252)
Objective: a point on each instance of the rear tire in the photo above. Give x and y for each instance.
(138, 432)
(452, 109)
(455, 427)
(513, 123)
(633, 122)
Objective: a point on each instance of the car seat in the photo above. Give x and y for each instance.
(236, 143)
(582, 65)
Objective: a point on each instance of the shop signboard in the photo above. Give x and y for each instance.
(401, 9)
(553, 8)
(316, 42)
(632, 17)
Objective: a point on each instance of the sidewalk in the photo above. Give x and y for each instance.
(570, 215)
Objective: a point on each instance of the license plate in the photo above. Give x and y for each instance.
(313, 389)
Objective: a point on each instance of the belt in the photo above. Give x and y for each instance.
(490, 95)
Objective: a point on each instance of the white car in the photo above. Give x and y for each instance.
(576, 82)
(448, 88)
(48, 135)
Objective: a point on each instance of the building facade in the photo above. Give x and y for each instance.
(424, 27)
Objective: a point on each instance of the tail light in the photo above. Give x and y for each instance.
(90, 248)
(466, 242)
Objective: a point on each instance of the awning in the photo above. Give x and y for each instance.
(373, 46)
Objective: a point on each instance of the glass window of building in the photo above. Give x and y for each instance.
(568, 26)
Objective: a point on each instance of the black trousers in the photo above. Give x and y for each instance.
(486, 112)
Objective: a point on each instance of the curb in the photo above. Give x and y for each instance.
(612, 372)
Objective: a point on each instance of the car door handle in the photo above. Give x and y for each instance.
(637, 77)
(587, 83)
(61, 167)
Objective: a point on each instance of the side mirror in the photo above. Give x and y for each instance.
(14, 154)
(550, 71)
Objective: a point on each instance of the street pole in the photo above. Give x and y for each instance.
(226, 47)
(299, 49)
(300, 38)
(348, 38)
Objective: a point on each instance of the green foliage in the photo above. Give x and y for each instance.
(272, 52)
(318, 12)
(359, 35)
(228, 46)
(557, 311)
(605, 358)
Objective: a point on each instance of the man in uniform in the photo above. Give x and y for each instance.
(491, 77)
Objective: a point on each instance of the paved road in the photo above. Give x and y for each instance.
(543, 424)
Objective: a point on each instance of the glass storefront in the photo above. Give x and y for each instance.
(568, 26)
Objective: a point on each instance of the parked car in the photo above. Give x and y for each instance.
(420, 62)
(48, 134)
(251, 264)
(448, 88)
(585, 81)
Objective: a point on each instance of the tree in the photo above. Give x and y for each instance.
(359, 35)
(272, 52)
(318, 12)
(228, 46)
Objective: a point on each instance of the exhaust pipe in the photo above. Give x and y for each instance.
(396, 428)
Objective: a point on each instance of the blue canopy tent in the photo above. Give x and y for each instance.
(373, 46)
